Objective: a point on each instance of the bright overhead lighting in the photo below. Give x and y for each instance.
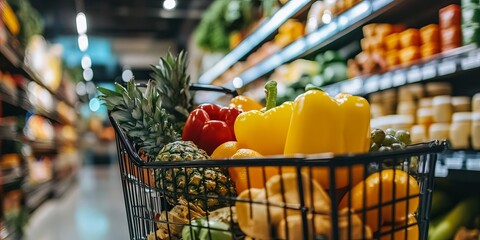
(169, 4)
(81, 23)
(127, 75)
(86, 62)
(88, 74)
(237, 82)
(83, 42)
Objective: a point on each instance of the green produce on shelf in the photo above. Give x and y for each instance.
(219, 21)
(30, 21)
(202, 229)
(461, 215)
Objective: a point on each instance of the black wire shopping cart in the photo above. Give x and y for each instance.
(390, 201)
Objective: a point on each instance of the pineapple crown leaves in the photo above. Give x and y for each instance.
(141, 115)
(173, 84)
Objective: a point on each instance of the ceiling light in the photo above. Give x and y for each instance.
(83, 42)
(81, 23)
(237, 82)
(86, 62)
(127, 75)
(169, 4)
(88, 74)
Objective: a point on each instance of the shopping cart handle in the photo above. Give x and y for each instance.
(212, 88)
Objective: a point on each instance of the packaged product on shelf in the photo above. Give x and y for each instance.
(451, 37)
(430, 34)
(476, 130)
(471, 33)
(402, 122)
(439, 131)
(376, 110)
(425, 103)
(392, 42)
(461, 104)
(442, 109)
(425, 116)
(476, 103)
(466, 3)
(460, 130)
(418, 134)
(470, 14)
(450, 16)
(438, 88)
(430, 49)
(314, 19)
(408, 55)
(407, 108)
(410, 37)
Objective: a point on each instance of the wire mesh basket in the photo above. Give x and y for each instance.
(365, 196)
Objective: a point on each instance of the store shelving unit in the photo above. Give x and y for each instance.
(456, 63)
(264, 31)
(20, 103)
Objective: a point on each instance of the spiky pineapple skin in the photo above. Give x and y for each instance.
(210, 182)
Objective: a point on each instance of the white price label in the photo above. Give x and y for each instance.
(429, 71)
(399, 78)
(454, 163)
(414, 75)
(441, 170)
(447, 67)
(371, 84)
(473, 164)
(470, 62)
(385, 81)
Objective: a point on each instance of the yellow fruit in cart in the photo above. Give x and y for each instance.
(226, 150)
(393, 183)
(253, 177)
(412, 232)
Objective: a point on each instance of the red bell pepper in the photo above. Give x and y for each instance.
(208, 126)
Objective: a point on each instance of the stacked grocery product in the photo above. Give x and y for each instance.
(470, 22)
(388, 46)
(429, 112)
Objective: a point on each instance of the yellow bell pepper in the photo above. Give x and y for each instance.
(322, 124)
(265, 131)
(245, 104)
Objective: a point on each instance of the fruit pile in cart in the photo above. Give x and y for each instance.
(380, 199)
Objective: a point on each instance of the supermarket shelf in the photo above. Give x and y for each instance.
(12, 180)
(7, 133)
(7, 96)
(37, 194)
(268, 27)
(461, 166)
(43, 147)
(442, 65)
(346, 22)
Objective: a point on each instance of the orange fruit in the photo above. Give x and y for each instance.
(226, 150)
(403, 183)
(254, 176)
(412, 232)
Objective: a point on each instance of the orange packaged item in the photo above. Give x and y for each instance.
(366, 44)
(451, 37)
(369, 30)
(410, 37)
(392, 42)
(376, 42)
(430, 34)
(392, 58)
(450, 16)
(409, 54)
(430, 49)
(384, 29)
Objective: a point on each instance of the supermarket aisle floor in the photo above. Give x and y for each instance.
(93, 209)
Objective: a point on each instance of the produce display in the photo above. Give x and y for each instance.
(220, 198)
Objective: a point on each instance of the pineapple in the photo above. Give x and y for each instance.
(201, 182)
(173, 85)
(141, 116)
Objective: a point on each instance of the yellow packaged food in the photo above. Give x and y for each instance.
(430, 49)
(391, 57)
(410, 37)
(369, 30)
(409, 54)
(430, 34)
(392, 42)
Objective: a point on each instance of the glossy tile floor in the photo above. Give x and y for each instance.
(92, 209)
